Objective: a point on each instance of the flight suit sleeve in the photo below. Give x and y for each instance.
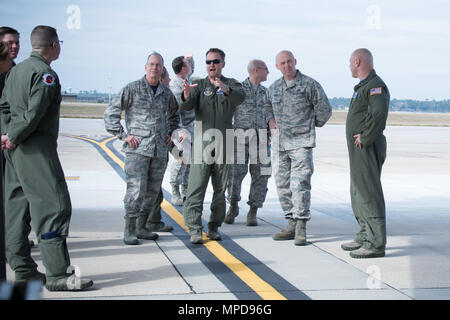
(375, 121)
(193, 99)
(173, 115)
(42, 96)
(237, 94)
(5, 114)
(113, 113)
(322, 107)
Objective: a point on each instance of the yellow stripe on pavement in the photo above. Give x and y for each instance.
(250, 278)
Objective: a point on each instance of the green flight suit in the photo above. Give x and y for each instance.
(367, 116)
(35, 187)
(213, 115)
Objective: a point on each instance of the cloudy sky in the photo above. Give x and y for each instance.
(106, 42)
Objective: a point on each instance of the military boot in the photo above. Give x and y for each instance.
(300, 233)
(367, 251)
(71, 282)
(129, 235)
(197, 238)
(159, 227)
(251, 217)
(350, 246)
(176, 199)
(184, 191)
(288, 233)
(213, 232)
(142, 232)
(32, 276)
(232, 213)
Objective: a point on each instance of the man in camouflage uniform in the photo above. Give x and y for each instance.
(35, 188)
(214, 100)
(249, 116)
(366, 121)
(296, 104)
(179, 173)
(150, 117)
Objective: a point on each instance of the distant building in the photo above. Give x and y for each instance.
(69, 97)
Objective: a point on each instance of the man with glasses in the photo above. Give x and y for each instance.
(249, 119)
(35, 187)
(214, 100)
(150, 118)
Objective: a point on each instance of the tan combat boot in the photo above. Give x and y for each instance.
(251, 217)
(288, 233)
(232, 213)
(300, 233)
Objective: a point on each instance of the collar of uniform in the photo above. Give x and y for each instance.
(296, 81)
(371, 75)
(38, 56)
(147, 86)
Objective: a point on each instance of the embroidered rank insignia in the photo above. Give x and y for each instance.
(48, 79)
(355, 95)
(375, 91)
(208, 91)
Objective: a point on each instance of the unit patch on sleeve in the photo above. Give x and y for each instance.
(48, 79)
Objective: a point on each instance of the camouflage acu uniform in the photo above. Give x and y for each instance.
(298, 107)
(250, 115)
(149, 117)
(179, 174)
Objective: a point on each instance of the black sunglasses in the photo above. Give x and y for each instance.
(215, 61)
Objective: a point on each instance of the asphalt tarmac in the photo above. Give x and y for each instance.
(247, 263)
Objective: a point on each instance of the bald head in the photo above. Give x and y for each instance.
(257, 71)
(255, 64)
(284, 53)
(361, 63)
(286, 63)
(365, 56)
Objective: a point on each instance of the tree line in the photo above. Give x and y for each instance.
(432, 106)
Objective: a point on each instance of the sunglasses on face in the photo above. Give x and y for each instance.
(215, 61)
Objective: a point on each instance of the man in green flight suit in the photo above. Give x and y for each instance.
(35, 187)
(214, 100)
(366, 144)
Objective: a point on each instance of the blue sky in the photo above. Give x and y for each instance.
(409, 39)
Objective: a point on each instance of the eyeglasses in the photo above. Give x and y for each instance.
(215, 61)
(60, 42)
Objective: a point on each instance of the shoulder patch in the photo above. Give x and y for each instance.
(49, 79)
(375, 91)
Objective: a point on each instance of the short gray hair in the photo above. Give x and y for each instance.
(154, 53)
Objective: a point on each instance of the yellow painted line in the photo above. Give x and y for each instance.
(261, 287)
(71, 178)
(101, 145)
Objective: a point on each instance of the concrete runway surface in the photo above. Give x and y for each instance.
(248, 264)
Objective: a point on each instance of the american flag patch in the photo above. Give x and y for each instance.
(375, 91)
